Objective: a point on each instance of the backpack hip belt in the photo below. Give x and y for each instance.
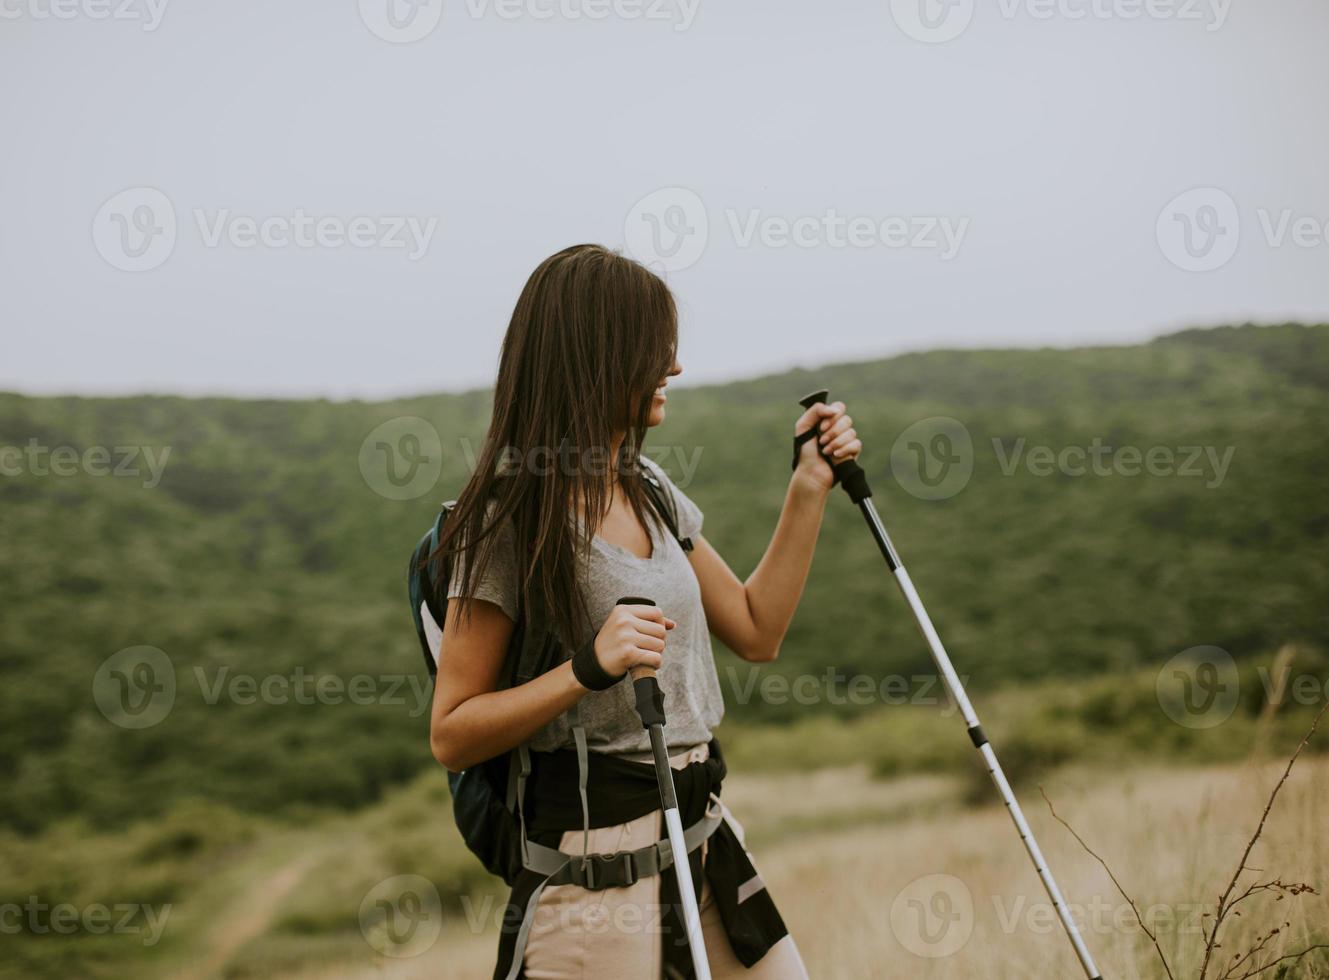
(594, 872)
(598, 871)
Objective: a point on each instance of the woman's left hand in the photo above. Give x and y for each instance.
(838, 440)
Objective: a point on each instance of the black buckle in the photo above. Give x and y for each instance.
(601, 871)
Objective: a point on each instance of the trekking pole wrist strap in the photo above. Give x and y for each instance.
(808, 436)
(847, 472)
(586, 668)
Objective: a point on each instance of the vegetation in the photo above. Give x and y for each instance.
(889, 777)
(264, 556)
(264, 553)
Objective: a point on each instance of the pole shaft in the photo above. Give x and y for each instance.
(947, 670)
(682, 867)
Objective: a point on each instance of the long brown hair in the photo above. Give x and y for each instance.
(592, 336)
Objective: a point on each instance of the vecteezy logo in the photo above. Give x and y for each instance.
(1198, 687)
(135, 230)
(667, 229)
(135, 687)
(933, 21)
(933, 459)
(402, 458)
(401, 21)
(402, 916)
(933, 916)
(1199, 231)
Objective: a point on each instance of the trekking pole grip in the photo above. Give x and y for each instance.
(847, 471)
(650, 699)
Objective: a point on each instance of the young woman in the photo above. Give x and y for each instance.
(557, 517)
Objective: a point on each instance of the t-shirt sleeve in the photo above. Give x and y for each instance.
(689, 514)
(498, 584)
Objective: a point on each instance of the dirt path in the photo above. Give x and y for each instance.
(246, 917)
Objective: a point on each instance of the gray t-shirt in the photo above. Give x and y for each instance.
(694, 704)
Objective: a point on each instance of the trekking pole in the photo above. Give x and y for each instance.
(855, 483)
(650, 706)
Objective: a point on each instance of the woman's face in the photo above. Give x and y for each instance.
(657, 414)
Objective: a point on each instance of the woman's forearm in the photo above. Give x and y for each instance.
(751, 617)
(490, 724)
(776, 584)
(472, 721)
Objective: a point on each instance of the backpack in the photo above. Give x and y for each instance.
(487, 799)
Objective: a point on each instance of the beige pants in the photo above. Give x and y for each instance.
(615, 933)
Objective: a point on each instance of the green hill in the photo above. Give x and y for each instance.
(263, 552)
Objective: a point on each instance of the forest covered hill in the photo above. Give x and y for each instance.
(1112, 507)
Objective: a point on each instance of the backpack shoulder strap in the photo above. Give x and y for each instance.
(427, 581)
(439, 570)
(663, 502)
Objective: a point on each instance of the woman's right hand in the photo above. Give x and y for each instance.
(632, 636)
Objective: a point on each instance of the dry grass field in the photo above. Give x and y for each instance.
(899, 879)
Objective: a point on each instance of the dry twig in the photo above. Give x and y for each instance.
(1226, 903)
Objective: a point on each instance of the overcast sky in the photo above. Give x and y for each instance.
(344, 198)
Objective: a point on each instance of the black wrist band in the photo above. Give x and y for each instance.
(586, 668)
